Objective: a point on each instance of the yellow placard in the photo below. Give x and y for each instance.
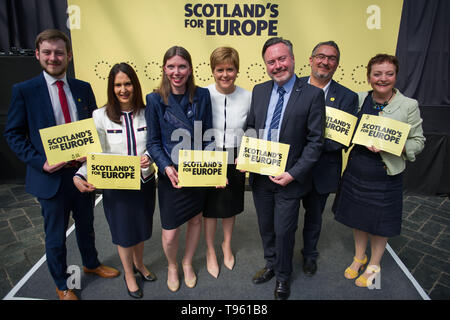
(383, 133)
(110, 171)
(70, 141)
(197, 168)
(339, 125)
(262, 156)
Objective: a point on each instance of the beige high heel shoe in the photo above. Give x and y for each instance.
(212, 266)
(228, 261)
(190, 283)
(173, 285)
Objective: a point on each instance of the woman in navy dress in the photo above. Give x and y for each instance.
(369, 199)
(177, 112)
(122, 129)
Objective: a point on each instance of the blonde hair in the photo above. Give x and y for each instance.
(224, 55)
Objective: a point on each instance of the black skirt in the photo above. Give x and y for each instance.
(130, 214)
(177, 206)
(368, 198)
(227, 202)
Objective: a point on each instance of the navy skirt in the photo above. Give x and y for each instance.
(227, 202)
(130, 214)
(177, 206)
(368, 198)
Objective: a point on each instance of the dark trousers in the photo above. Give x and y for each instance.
(56, 212)
(277, 220)
(314, 204)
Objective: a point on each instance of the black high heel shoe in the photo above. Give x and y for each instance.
(150, 277)
(138, 294)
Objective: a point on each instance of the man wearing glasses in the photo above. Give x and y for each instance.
(324, 61)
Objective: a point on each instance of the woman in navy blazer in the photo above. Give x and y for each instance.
(177, 112)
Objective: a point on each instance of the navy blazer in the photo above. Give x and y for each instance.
(302, 128)
(31, 110)
(327, 171)
(164, 120)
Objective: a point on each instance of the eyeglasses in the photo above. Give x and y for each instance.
(321, 57)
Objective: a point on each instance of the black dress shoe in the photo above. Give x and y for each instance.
(309, 266)
(150, 277)
(134, 294)
(263, 275)
(282, 290)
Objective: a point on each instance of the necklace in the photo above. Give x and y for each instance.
(381, 106)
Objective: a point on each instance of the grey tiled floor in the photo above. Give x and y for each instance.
(423, 246)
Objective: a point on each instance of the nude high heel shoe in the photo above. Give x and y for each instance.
(190, 283)
(211, 265)
(228, 260)
(173, 285)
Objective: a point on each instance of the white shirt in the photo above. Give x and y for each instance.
(54, 98)
(229, 113)
(325, 89)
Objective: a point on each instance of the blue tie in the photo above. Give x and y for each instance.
(274, 124)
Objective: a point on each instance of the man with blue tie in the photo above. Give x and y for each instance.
(324, 61)
(48, 100)
(286, 111)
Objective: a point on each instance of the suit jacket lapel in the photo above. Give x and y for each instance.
(177, 110)
(295, 94)
(264, 106)
(82, 108)
(330, 100)
(45, 103)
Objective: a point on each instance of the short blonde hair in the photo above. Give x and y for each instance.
(224, 55)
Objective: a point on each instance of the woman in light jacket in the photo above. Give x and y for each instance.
(370, 196)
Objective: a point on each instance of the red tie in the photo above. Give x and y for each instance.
(63, 101)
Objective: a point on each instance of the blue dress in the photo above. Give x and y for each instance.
(170, 127)
(368, 198)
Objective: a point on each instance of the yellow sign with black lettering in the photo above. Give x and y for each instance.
(198, 168)
(383, 133)
(70, 141)
(110, 171)
(339, 125)
(262, 156)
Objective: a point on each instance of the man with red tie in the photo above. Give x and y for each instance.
(48, 100)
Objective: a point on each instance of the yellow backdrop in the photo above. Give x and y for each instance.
(105, 32)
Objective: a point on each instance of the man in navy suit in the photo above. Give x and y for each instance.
(287, 111)
(48, 100)
(324, 61)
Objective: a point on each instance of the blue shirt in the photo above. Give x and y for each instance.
(273, 102)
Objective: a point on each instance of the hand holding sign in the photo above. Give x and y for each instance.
(283, 179)
(53, 168)
(172, 174)
(83, 186)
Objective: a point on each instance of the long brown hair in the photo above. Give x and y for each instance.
(113, 110)
(164, 88)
